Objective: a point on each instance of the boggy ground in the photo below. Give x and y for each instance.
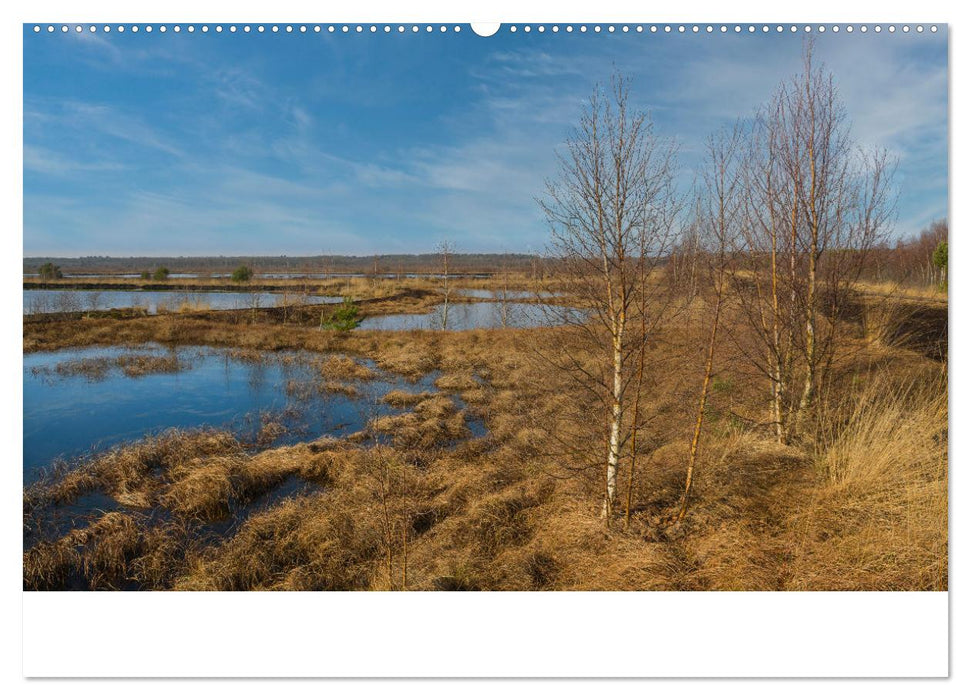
(416, 502)
(358, 287)
(381, 298)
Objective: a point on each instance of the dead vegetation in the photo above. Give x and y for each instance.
(432, 421)
(879, 520)
(97, 369)
(417, 503)
(402, 399)
(134, 365)
(342, 367)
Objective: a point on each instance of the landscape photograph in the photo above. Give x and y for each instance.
(570, 307)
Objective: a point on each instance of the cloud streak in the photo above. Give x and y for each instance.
(236, 145)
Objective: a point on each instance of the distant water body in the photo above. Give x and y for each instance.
(52, 300)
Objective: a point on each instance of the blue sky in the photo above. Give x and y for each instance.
(168, 144)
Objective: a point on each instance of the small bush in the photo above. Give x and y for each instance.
(50, 271)
(242, 274)
(346, 317)
(940, 262)
(161, 274)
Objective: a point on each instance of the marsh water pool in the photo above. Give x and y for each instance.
(497, 295)
(270, 275)
(67, 300)
(476, 315)
(80, 401)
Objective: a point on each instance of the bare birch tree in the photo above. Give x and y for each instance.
(765, 276)
(445, 251)
(394, 486)
(817, 206)
(503, 293)
(611, 213)
(717, 231)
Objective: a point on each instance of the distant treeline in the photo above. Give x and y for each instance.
(371, 264)
(908, 261)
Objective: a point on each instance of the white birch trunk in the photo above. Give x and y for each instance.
(616, 418)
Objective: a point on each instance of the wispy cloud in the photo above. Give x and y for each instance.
(79, 118)
(232, 144)
(47, 162)
(239, 88)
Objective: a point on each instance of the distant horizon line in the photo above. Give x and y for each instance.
(239, 256)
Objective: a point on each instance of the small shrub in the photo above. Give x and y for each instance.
(940, 262)
(242, 274)
(50, 271)
(346, 317)
(161, 274)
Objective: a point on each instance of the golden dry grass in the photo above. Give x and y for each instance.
(879, 521)
(858, 503)
(342, 367)
(135, 365)
(892, 289)
(401, 399)
(131, 364)
(456, 381)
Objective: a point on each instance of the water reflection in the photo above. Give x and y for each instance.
(73, 300)
(485, 315)
(69, 412)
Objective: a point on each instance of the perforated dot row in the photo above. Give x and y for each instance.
(415, 28)
(248, 28)
(721, 28)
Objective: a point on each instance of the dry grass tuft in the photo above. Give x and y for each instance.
(456, 382)
(885, 322)
(300, 544)
(139, 365)
(478, 396)
(342, 367)
(879, 522)
(404, 399)
(256, 475)
(165, 552)
(94, 369)
(245, 354)
(107, 546)
(433, 422)
(270, 431)
(202, 488)
(408, 354)
(501, 520)
(341, 388)
(49, 565)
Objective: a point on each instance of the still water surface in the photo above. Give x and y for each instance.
(486, 314)
(68, 414)
(68, 300)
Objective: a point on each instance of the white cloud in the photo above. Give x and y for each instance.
(48, 162)
(270, 172)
